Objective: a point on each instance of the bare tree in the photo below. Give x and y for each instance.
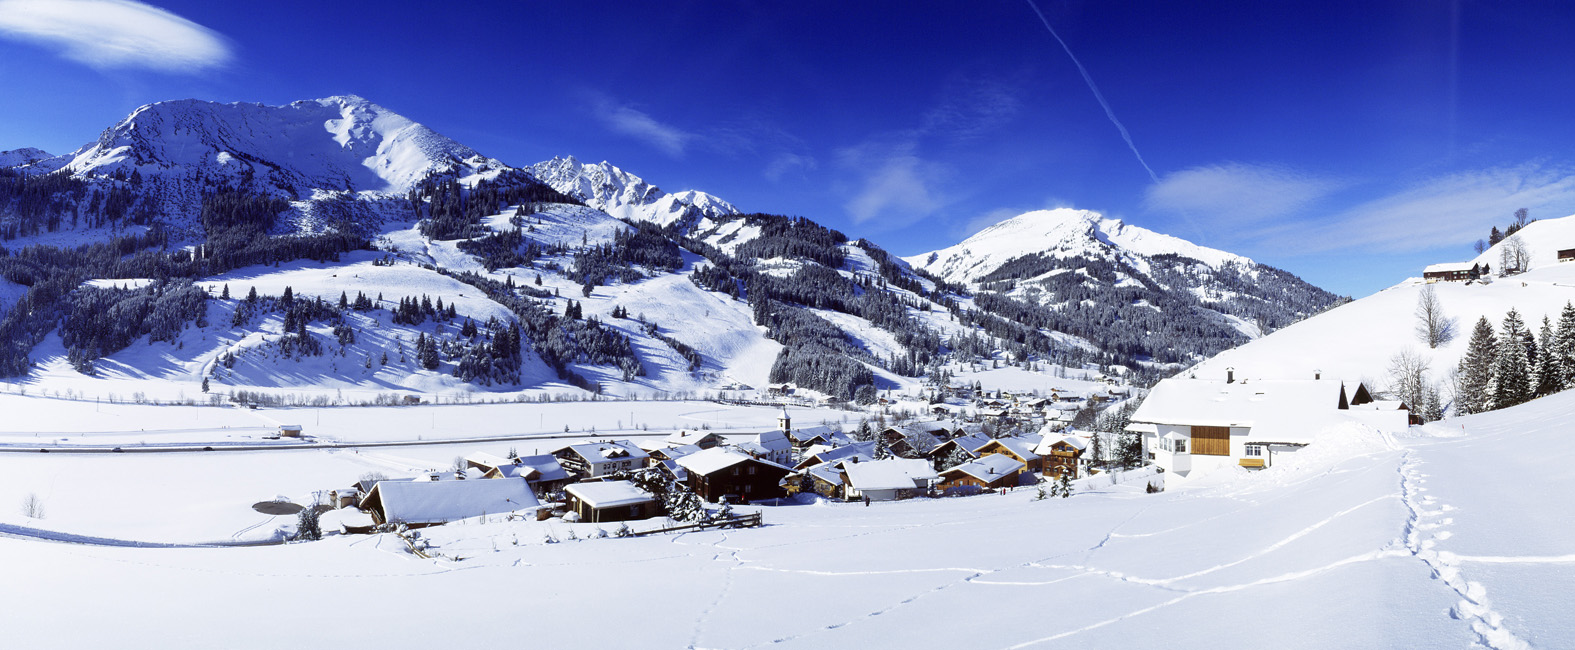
(1433, 326)
(1408, 378)
(32, 506)
(1481, 246)
(1513, 256)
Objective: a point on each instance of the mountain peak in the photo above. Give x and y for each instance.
(610, 189)
(337, 143)
(1058, 233)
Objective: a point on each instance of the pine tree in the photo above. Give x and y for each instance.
(1513, 370)
(1064, 483)
(882, 451)
(226, 294)
(1474, 391)
(204, 384)
(1550, 369)
(306, 524)
(1564, 345)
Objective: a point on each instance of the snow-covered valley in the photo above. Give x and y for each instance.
(1447, 538)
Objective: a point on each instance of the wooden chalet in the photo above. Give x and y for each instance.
(1018, 448)
(604, 501)
(1567, 255)
(597, 459)
(994, 471)
(720, 473)
(1453, 272)
(1062, 455)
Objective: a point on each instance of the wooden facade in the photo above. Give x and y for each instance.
(1211, 441)
(750, 480)
(1063, 459)
(1567, 255)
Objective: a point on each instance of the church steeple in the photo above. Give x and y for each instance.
(785, 423)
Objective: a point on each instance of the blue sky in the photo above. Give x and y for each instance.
(1348, 142)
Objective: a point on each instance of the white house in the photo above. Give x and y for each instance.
(597, 459)
(772, 445)
(1201, 425)
(890, 479)
(427, 503)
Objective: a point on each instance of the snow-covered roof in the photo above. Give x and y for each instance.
(919, 436)
(828, 472)
(773, 440)
(1290, 410)
(541, 467)
(597, 452)
(1447, 267)
(1020, 445)
(688, 437)
(608, 494)
(810, 433)
(890, 474)
(989, 468)
(717, 458)
(433, 502)
(864, 451)
(1049, 443)
(971, 442)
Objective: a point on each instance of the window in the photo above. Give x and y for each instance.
(1181, 446)
(1254, 450)
(751, 470)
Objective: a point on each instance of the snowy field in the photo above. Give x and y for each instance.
(1452, 537)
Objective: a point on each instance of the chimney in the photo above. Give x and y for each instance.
(1230, 375)
(1317, 374)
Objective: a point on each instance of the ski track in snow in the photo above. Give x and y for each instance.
(1474, 607)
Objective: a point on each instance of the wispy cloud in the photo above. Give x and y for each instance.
(787, 163)
(1446, 211)
(895, 185)
(972, 107)
(107, 34)
(640, 125)
(1234, 195)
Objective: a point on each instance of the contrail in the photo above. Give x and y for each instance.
(1108, 113)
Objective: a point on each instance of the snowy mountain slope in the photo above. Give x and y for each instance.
(626, 196)
(1357, 340)
(1060, 233)
(1120, 287)
(1542, 239)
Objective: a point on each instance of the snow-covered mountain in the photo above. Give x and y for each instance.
(623, 195)
(1062, 233)
(23, 156)
(335, 143)
(556, 267)
(1120, 286)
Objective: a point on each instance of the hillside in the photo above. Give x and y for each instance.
(1357, 340)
